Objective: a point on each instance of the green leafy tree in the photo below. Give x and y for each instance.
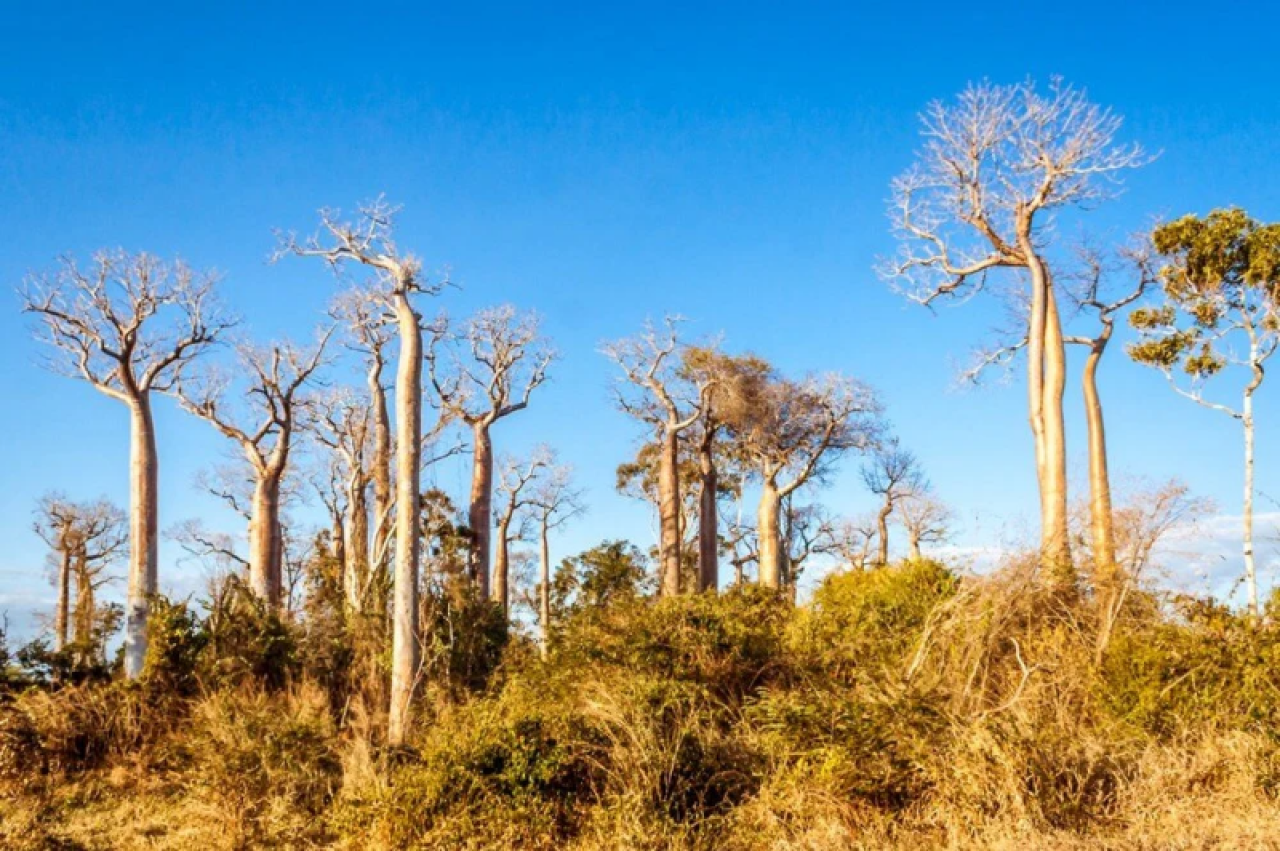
(1220, 279)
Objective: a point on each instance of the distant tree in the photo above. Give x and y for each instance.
(516, 479)
(604, 575)
(275, 381)
(129, 325)
(893, 474)
(554, 502)
(925, 519)
(995, 167)
(653, 393)
(1221, 283)
(85, 539)
(494, 364)
(793, 431)
(369, 241)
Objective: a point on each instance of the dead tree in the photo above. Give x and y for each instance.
(893, 474)
(129, 325)
(493, 366)
(995, 167)
(794, 431)
(277, 376)
(368, 241)
(669, 406)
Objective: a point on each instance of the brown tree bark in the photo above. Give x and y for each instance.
(501, 592)
(708, 515)
(1101, 518)
(669, 513)
(480, 510)
(265, 573)
(62, 612)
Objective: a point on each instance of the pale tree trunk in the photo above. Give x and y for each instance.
(708, 519)
(769, 533)
(265, 575)
(544, 591)
(882, 529)
(382, 496)
(1057, 535)
(143, 532)
(669, 513)
(1250, 571)
(60, 619)
(913, 544)
(356, 558)
(404, 637)
(501, 568)
(480, 515)
(1100, 514)
(84, 607)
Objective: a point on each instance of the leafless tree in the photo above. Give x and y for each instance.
(274, 393)
(995, 167)
(369, 242)
(893, 474)
(852, 539)
(554, 502)
(925, 519)
(85, 538)
(794, 431)
(648, 364)
(129, 324)
(483, 374)
(515, 498)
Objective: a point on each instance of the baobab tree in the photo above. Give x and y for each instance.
(84, 539)
(925, 519)
(1221, 283)
(794, 431)
(274, 391)
(515, 485)
(670, 406)
(553, 503)
(995, 168)
(369, 241)
(494, 364)
(129, 324)
(343, 423)
(893, 474)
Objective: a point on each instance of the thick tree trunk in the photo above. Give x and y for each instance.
(913, 544)
(769, 533)
(501, 568)
(404, 637)
(544, 591)
(144, 525)
(61, 615)
(708, 518)
(480, 515)
(1250, 571)
(1100, 514)
(356, 558)
(1057, 541)
(882, 529)
(265, 574)
(669, 513)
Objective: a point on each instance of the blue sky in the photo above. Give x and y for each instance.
(601, 164)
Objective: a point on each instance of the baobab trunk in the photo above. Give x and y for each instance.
(480, 514)
(83, 632)
(882, 528)
(143, 533)
(60, 620)
(356, 558)
(913, 545)
(1100, 514)
(1057, 536)
(708, 533)
(1250, 572)
(669, 513)
(501, 569)
(265, 576)
(770, 536)
(382, 496)
(544, 591)
(404, 635)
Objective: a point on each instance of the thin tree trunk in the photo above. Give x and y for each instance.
(1100, 514)
(882, 528)
(1057, 535)
(501, 568)
(61, 616)
(708, 519)
(769, 533)
(404, 637)
(144, 525)
(382, 496)
(480, 515)
(913, 543)
(356, 561)
(669, 513)
(1250, 571)
(85, 608)
(265, 575)
(544, 591)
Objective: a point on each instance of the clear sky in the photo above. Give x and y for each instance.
(602, 164)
